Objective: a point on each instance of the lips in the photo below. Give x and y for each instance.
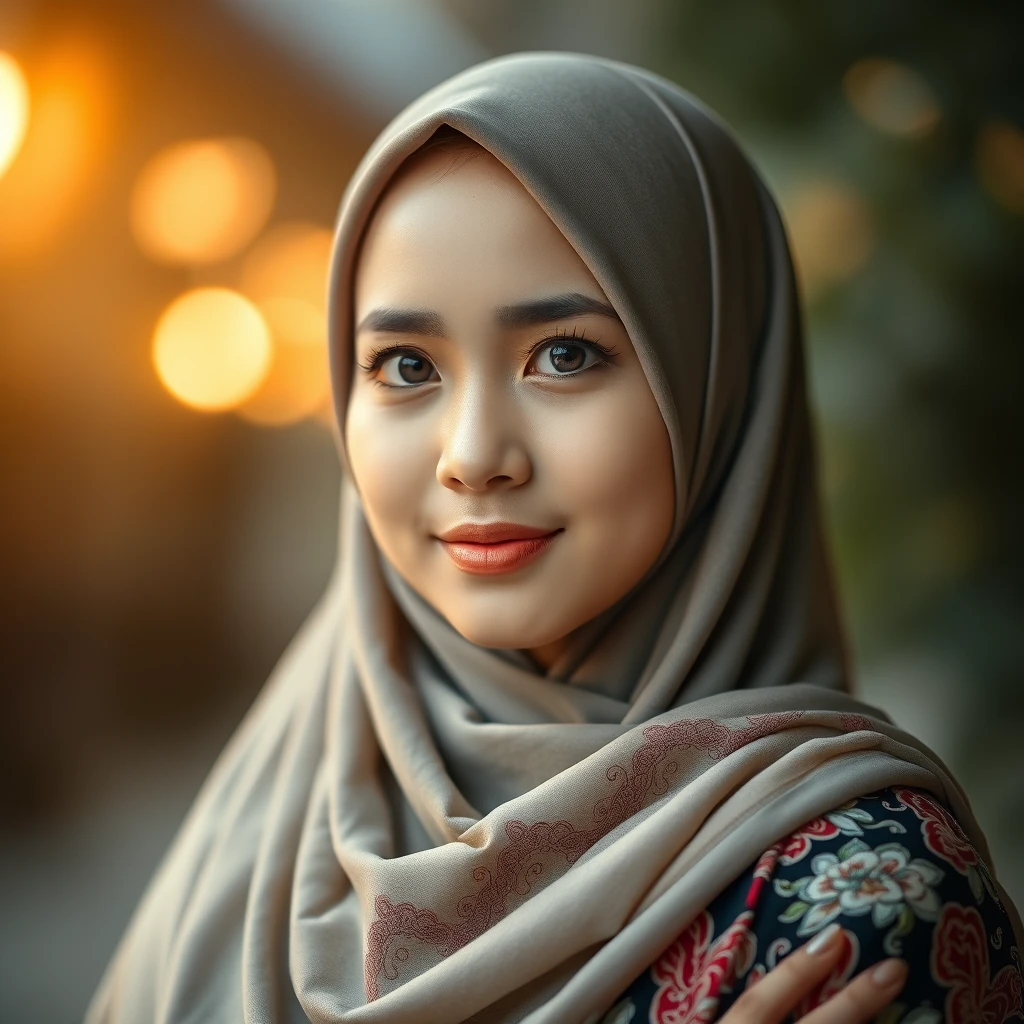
(486, 549)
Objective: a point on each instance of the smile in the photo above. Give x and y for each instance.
(486, 549)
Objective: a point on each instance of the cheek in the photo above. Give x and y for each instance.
(392, 466)
(611, 464)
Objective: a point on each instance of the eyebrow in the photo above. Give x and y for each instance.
(554, 307)
(387, 320)
(390, 320)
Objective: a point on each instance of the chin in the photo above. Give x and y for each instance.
(502, 629)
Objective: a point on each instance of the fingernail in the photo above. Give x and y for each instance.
(823, 939)
(888, 972)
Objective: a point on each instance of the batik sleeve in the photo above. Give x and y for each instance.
(898, 875)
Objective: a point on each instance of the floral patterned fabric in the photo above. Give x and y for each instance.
(898, 874)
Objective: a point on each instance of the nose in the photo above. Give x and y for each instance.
(482, 447)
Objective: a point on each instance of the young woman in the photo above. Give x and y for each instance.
(568, 739)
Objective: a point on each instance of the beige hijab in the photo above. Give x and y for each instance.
(410, 828)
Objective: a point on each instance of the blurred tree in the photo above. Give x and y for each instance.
(915, 113)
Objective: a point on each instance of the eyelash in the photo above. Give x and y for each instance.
(604, 355)
(378, 356)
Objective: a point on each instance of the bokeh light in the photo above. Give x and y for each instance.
(891, 97)
(202, 201)
(999, 157)
(14, 108)
(211, 349)
(286, 275)
(298, 383)
(290, 260)
(43, 189)
(831, 233)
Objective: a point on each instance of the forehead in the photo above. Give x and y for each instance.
(461, 221)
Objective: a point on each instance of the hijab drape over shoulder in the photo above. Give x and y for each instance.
(410, 828)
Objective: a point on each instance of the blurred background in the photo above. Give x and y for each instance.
(169, 173)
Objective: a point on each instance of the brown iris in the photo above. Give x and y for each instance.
(414, 369)
(567, 358)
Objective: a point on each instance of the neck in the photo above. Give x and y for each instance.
(546, 655)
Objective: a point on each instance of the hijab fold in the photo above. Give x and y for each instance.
(410, 828)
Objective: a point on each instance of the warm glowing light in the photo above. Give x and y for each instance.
(295, 321)
(891, 97)
(999, 157)
(44, 187)
(211, 349)
(202, 201)
(286, 275)
(831, 232)
(13, 109)
(298, 384)
(291, 261)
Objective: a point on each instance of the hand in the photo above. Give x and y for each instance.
(780, 991)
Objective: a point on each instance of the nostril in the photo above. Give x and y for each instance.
(481, 466)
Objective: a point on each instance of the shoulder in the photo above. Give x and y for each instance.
(895, 870)
(897, 873)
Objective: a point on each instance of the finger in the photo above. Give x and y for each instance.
(773, 998)
(862, 998)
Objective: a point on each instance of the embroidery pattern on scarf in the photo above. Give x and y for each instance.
(514, 870)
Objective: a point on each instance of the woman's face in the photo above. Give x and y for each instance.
(511, 458)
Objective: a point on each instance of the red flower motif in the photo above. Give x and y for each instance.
(763, 871)
(797, 846)
(942, 834)
(693, 971)
(959, 960)
(765, 866)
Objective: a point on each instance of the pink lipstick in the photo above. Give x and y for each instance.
(486, 549)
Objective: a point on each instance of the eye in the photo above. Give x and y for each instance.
(404, 369)
(564, 357)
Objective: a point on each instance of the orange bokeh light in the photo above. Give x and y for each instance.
(202, 201)
(999, 157)
(42, 189)
(211, 349)
(290, 260)
(295, 322)
(891, 97)
(14, 109)
(298, 384)
(832, 233)
(286, 275)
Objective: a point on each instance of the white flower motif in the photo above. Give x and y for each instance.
(851, 820)
(883, 883)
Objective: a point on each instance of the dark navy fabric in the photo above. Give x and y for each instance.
(897, 873)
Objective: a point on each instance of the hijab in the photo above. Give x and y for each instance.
(407, 827)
